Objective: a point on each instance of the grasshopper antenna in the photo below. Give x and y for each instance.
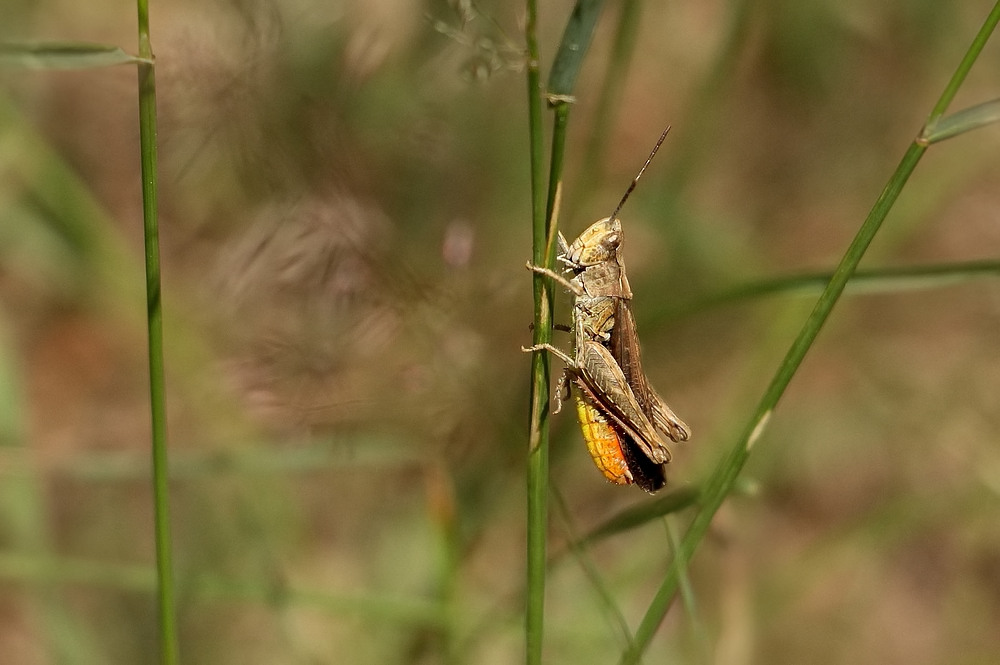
(635, 180)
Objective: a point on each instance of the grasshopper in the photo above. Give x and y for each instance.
(619, 412)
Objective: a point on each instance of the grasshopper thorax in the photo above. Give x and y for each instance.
(595, 261)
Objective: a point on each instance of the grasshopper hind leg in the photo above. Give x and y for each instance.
(562, 387)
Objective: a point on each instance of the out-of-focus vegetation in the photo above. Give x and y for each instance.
(345, 221)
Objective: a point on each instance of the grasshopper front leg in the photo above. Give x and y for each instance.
(575, 289)
(557, 352)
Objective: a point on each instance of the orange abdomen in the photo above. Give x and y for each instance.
(603, 442)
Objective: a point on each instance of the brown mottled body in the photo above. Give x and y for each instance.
(622, 417)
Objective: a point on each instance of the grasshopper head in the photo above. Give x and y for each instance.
(597, 244)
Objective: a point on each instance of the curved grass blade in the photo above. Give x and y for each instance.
(871, 281)
(140, 579)
(572, 49)
(643, 513)
(722, 480)
(962, 121)
(65, 55)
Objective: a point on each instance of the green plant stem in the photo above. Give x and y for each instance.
(169, 654)
(721, 481)
(965, 66)
(560, 122)
(538, 426)
(545, 211)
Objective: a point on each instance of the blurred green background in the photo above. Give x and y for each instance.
(345, 218)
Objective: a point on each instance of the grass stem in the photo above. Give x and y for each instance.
(169, 651)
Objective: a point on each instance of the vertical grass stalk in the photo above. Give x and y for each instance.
(544, 212)
(154, 316)
(538, 426)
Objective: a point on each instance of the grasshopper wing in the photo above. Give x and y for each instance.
(606, 383)
(625, 350)
(647, 474)
(666, 420)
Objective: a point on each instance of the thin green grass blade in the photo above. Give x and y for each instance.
(255, 459)
(728, 469)
(169, 647)
(864, 282)
(545, 210)
(65, 55)
(963, 121)
(643, 513)
(723, 478)
(139, 579)
(545, 249)
(538, 425)
(572, 49)
(965, 66)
